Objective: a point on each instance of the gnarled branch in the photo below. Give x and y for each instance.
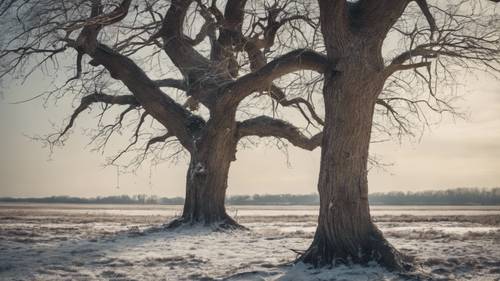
(264, 126)
(160, 106)
(301, 59)
(182, 53)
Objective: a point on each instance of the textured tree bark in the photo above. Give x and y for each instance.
(345, 232)
(206, 184)
(206, 180)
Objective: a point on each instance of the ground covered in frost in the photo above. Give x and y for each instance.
(76, 243)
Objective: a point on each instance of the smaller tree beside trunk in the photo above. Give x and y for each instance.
(220, 58)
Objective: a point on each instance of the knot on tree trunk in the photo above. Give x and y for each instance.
(199, 170)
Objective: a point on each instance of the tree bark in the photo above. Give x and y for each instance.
(345, 232)
(206, 180)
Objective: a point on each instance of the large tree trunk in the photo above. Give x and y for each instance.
(206, 180)
(345, 231)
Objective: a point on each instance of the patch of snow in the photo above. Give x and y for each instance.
(92, 245)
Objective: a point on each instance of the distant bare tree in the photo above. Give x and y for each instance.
(438, 40)
(222, 57)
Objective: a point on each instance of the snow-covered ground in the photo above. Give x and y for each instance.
(72, 242)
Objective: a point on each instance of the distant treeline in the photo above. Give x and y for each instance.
(119, 199)
(457, 196)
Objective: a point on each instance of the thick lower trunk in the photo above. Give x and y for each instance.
(206, 186)
(345, 231)
(206, 180)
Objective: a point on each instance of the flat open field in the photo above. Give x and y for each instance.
(112, 242)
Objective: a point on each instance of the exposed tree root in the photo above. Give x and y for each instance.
(225, 224)
(323, 253)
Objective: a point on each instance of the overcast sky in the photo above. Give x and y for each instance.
(461, 153)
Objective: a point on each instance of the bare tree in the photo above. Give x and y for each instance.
(223, 57)
(444, 37)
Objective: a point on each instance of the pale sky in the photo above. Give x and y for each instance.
(463, 153)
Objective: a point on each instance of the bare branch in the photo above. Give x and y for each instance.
(157, 139)
(99, 97)
(388, 71)
(278, 95)
(135, 136)
(160, 106)
(97, 19)
(301, 59)
(264, 126)
(172, 83)
(191, 63)
(427, 13)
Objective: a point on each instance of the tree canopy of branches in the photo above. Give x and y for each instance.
(214, 56)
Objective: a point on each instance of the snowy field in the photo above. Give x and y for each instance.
(106, 242)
